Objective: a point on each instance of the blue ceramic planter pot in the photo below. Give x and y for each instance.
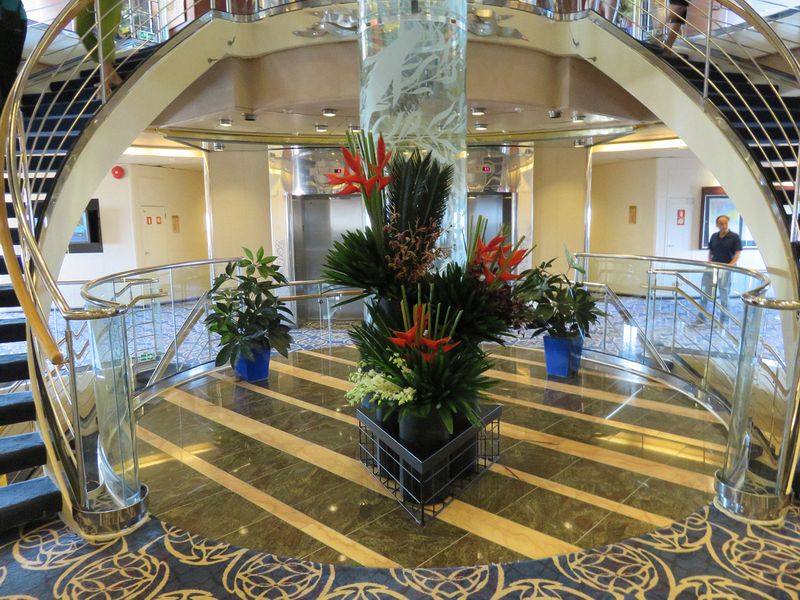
(562, 356)
(256, 369)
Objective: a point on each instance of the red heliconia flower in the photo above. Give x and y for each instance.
(414, 339)
(405, 339)
(383, 158)
(347, 179)
(355, 179)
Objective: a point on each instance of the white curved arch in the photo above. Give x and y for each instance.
(673, 100)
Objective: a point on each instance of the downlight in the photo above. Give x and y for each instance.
(478, 111)
(481, 126)
(249, 116)
(320, 128)
(225, 122)
(553, 113)
(328, 112)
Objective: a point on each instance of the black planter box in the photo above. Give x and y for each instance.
(424, 485)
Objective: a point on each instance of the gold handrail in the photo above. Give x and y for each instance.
(34, 319)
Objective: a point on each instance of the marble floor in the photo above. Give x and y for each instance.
(274, 466)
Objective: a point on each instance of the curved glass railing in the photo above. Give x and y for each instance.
(761, 456)
(680, 316)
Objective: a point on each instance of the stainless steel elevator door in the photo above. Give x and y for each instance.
(317, 221)
(498, 208)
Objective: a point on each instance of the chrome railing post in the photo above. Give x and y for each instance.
(174, 318)
(605, 318)
(82, 492)
(674, 314)
(794, 235)
(707, 63)
(649, 321)
(98, 18)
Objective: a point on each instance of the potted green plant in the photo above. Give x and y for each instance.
(249, 318)
(563, 310)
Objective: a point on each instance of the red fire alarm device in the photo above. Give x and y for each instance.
(681, 217)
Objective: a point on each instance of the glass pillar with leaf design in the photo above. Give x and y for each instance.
(413, 89)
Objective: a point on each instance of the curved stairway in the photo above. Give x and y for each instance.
(763, 118)
(72, 104)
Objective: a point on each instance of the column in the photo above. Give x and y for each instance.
(413, 88)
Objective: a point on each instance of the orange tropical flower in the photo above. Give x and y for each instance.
(355, 179)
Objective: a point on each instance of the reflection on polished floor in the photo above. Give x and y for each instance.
(274, 467)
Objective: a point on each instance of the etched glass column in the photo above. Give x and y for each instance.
(413, 88)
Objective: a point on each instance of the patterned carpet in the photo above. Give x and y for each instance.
(705, 556)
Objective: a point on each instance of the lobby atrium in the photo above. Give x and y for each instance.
(400, 299)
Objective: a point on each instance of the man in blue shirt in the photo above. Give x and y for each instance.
(725, 246)
(13, 28)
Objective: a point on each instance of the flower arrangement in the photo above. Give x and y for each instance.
(426, 358)
(421, 368)
(405, 209)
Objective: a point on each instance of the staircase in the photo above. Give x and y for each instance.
(70, 106)
(764, 119)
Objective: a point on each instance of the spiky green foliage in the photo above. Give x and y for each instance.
(356, 262)
(405, 223)
(245, 312)
(418, 191)
(450, 384)
(480, 321)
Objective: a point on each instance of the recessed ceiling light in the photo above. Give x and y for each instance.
(578, 118)
(218, 147)
(580, 143)
(225, 122)
(481, 126)
(478, 111)
(249, 116)
(328, 112)
(553, 113)
(320, 128)
(354, 129)
(518, 109)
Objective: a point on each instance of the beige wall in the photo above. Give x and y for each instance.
(657, 187)
(182, 195)
(238, 184)
(119, 249)
(559, 192)
(616, 187)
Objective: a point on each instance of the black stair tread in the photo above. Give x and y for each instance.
(28, 501)
(22, 451)
(12, 330)
(11, 214)
(4, 268)
(13, 367)
(8, 297)
(58, 123)
(17, 407)
(63, 107)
